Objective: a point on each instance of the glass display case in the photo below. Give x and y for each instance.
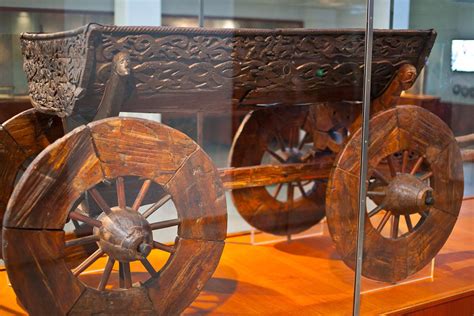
(221, 157)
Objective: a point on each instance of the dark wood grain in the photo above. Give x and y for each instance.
(21, 138)
(248, 67)
(403, 128)
(37, 271)
(270, 132)
(61, 175)
(75, 164)
(257, 176)
(185, 275)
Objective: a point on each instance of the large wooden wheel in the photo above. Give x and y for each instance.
(415, 192)
(113, 150)
(278, 136)
(22, 137)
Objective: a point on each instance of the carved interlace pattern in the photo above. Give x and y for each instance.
(163, 60)
(53, 68)
(179, 62)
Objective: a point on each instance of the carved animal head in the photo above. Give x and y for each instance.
(121, 64)
(407, 76)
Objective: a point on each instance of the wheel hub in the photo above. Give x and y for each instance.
(125, 235)
(406, 194)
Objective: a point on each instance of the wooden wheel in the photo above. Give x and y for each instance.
(22, 137)
(416, 200)
(112, 150)
(278, 136)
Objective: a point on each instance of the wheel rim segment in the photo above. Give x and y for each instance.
(256, 205)
(396, 130)
(110, 149)
(22, 137)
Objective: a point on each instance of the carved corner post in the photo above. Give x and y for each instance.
(403, 80)
(116, 89)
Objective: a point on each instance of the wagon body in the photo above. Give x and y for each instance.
(212, 70)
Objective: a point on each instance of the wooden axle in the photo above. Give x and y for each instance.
(465, 140)
(257, 176)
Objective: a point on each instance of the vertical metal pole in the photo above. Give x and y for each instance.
(369, 28)
(200, 128)
(201, 13)
(199, 116)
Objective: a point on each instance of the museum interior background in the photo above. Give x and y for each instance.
(448, 94)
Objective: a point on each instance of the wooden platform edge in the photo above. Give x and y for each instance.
(446, 298)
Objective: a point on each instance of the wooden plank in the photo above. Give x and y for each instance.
(465, 140)
(34, 131)
(256, 176)
(63, 171)
(185, 275)
(37, 271)
(467, 154)
(199, 198)
(138, 147)
(134, 300)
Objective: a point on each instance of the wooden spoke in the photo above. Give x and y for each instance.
(275, 155)
(277, 191)
(78, 205)
(417, 165)
(300, 187)
(165, 224)
(380, 176)
(100, 201)
(141, 195)
(395, 225)
(426, 176)
(304, 140)
(376, 210)
(106, 275)
(280, 140)
(376, 193)
(75, 223)
(121, 277)
(87, 263)
(167, 248)
(250, 149)
(408, 221)
(85, 219)
(125, 275)
(404, 161)
(148, 267)
(391, 166)
(293, 133)
(156, 206)
(384, 221)
(81, 241)
(290, 192)
(121, 200)
(424, 214)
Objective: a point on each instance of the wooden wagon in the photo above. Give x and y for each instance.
(300, 139)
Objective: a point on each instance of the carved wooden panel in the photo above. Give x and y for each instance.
(251, 66)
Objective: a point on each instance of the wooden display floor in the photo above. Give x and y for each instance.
(306, 277)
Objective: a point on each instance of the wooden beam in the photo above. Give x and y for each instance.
(467, 155)
(255, 176)
(465, 140)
